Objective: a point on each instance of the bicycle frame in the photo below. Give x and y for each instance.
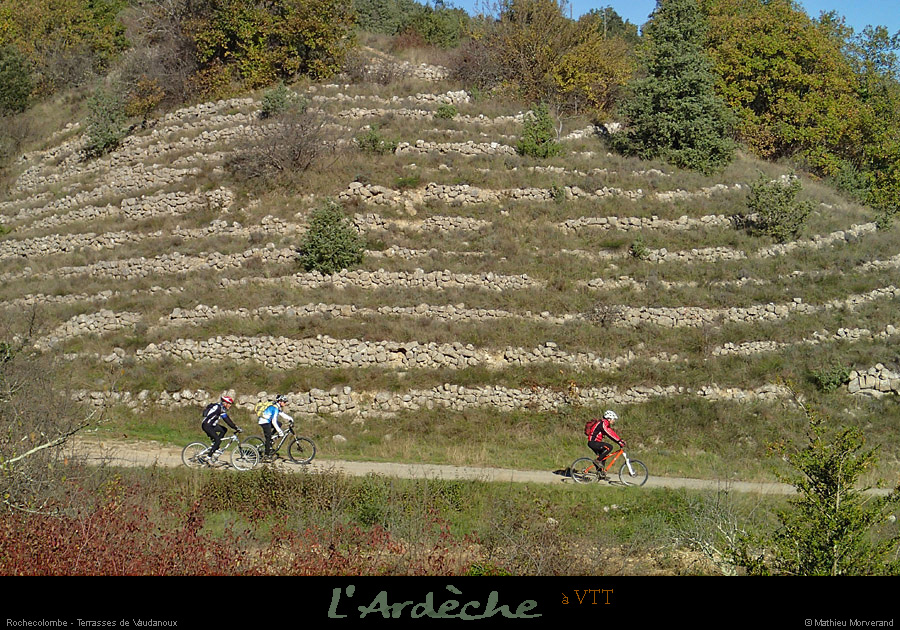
(226, 443)
(278, 442)
(631, 472)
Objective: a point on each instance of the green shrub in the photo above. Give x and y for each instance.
(446, 111)
(440, 25)
(829, 378)
(332, 242)
(15, 81)
(538, 135)
(558, 192)
(279, 100)
(638, 250)
(775, 209)
(371, 141)
(105, 123)
(410, 181)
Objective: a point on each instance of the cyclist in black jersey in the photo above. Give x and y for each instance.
(210, 425)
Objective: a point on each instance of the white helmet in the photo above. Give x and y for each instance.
(610, 415)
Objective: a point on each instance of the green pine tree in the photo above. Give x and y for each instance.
(332, 242)
(832, 526)
(673, 112)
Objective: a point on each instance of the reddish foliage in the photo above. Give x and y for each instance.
(115, 535)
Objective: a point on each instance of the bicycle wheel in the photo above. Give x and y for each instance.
(584, 470)
(639, 478)
(244, 456)
(191, 454)
(302, 450)
(257, 442)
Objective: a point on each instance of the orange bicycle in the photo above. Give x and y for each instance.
(633, 472)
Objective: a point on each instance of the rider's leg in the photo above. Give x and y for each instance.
(267, 434)
(601, 449)
(216, 434)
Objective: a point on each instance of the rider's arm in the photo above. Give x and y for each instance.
(228, 421)
(609, 431)
(275, 422)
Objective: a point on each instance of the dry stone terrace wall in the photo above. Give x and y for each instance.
(819, 337)
(39, 299)
(465, 194)
(175, 203)
(166, 264)
(381, 279)
(281, 353)
(98, 323)
(60, 244)
(195, 128)
(128, 182)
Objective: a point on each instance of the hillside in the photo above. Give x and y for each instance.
(502, 300)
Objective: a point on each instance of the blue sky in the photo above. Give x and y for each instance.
(859, 14)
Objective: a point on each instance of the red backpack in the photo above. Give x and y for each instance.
(593, 428)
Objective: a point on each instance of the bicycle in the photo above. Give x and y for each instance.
(633, 472)
(301, 449)
(243, 456)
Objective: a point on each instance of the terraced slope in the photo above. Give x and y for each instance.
(502, 300)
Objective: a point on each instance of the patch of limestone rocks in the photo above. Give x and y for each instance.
(625, 224)
(468, 148)
(436, 223)
(875, 382)
(379, 63)
(422, 98)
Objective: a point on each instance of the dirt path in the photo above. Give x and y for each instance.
(151, 453)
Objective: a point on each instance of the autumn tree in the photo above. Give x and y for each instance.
(64, 41)
(533, 51)
(37, 417)
(257, 42)
(877, 65)
(787, 79)
(674, 112)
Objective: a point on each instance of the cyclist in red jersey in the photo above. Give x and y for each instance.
(596, 430)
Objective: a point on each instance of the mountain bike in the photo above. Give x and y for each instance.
(301, 449)
(243, 456)
(633, 472)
